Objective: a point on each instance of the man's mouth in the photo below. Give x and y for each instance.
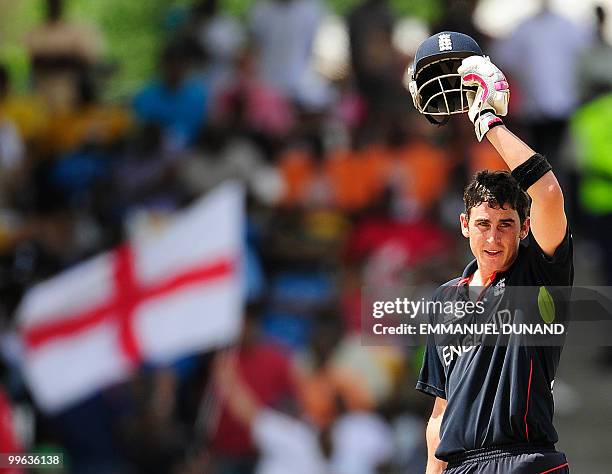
(493, 253)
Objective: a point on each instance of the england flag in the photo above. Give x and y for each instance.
(156, 298)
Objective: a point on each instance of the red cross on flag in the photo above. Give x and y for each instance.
(156, 298)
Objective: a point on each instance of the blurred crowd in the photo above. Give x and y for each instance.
(347, 188)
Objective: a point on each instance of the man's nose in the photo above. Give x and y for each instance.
(493, 236)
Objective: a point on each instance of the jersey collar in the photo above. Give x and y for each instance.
(469, 271)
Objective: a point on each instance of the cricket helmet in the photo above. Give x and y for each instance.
(432, 79)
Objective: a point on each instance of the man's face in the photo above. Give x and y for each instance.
(494, 235)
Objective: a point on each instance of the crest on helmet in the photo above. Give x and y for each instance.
(445, 43)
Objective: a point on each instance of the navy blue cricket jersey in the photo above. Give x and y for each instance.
(498, 394)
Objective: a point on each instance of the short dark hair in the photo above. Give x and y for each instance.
(497, 188)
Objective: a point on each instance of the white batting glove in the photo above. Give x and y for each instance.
(491, 97)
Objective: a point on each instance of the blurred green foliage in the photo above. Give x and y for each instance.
(134, 34)
(16, 19)
(135, 30)
(428, 10)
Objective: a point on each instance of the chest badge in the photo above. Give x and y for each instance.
(499, 287)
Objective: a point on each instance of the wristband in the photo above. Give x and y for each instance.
(526, 174)
(485, 121)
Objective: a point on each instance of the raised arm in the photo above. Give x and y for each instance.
(547, 217)
(490, 101)
(434, 465)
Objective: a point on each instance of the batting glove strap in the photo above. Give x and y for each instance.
(484, 122)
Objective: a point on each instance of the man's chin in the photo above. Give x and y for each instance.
(494, 263)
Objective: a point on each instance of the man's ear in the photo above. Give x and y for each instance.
(465, 230)
(525, 228)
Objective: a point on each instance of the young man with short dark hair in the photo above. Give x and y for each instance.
(493, 403)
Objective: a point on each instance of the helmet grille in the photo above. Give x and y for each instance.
(440, 91)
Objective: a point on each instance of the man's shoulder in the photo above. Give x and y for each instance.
(562, 258)
(450, 283)
(446, 287)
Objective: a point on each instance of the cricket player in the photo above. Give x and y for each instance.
(493, 404)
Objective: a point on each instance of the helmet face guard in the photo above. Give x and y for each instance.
(433, 81)
(439, 94)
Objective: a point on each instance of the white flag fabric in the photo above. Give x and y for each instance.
(155, 298)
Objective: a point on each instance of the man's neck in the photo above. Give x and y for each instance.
(481, 278)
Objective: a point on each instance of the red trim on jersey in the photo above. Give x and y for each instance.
(528, 396)
(487, 284)
(467, 280)
(555, 468)
(464, 281)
